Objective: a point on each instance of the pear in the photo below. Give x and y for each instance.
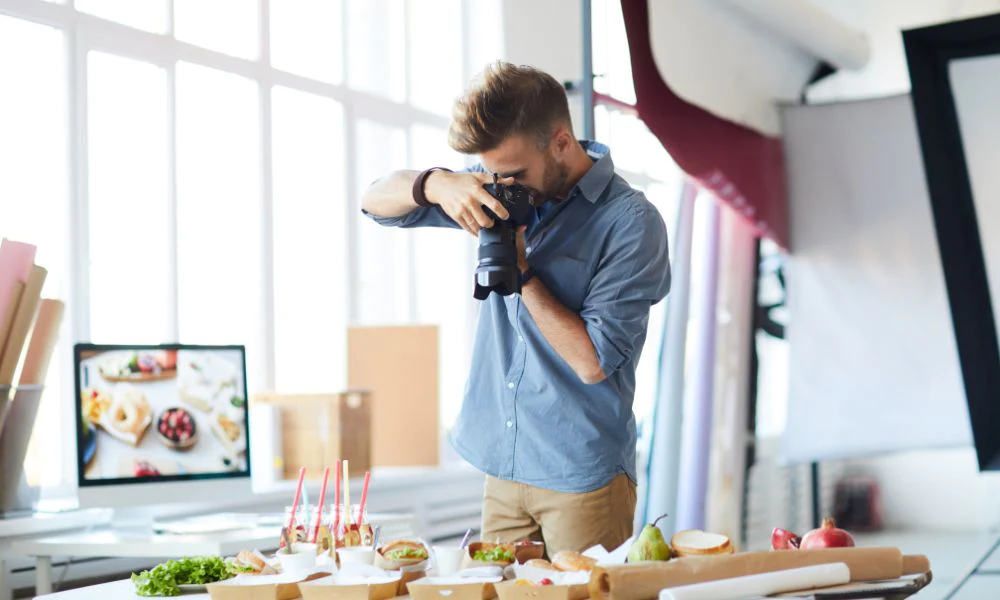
(650, 545)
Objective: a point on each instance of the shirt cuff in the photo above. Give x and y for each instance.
(609, 355)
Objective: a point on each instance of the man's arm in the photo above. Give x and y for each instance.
(391, 196)
(457, 199)
(564, 330)
(633, 274)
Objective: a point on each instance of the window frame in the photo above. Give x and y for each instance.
(84, 33)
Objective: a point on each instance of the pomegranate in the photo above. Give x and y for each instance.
(782, 539)
(827, 536)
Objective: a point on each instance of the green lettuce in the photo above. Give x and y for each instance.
(164, 579)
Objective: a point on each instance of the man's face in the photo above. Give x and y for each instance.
(519, 156)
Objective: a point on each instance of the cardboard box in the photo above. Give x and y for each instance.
(339, 587)
(317, 430)
(262, 587)
(454, 588)
(399, 366)
(519, 590)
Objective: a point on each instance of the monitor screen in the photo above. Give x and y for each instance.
(160, 413)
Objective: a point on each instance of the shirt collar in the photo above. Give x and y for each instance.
(597, 178)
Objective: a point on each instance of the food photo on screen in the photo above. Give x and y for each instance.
(154, 412)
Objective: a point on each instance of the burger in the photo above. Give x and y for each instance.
(250, 563)
(403, 553)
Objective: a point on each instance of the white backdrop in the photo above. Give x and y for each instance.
(873, 362)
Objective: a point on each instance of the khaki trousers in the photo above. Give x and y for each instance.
(516, 511)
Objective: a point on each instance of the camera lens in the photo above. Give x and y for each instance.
(497, 269)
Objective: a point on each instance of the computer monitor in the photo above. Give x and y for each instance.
(160, 424)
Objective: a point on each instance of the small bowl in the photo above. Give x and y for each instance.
(528, 550)
(177, 444)
(302, 558)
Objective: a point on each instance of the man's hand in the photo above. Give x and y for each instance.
(462, 197)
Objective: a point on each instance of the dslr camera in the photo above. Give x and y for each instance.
(496, 270)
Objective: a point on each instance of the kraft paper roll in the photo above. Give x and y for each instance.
(643, 581)
(764, 584)
(915, 564)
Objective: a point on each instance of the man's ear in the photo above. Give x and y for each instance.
(563, 139)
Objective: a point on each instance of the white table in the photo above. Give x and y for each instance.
(143, 543)
(116, 590)
(139, 543)
(15, 528)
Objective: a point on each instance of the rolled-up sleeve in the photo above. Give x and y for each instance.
(432, 216)
(632, 275)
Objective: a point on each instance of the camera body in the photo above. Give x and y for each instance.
(496, 270)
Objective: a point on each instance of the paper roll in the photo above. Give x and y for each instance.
(765, 584)
(643, 581)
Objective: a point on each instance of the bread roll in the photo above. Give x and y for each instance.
(541, 563)
(572, 561)
(694, 542)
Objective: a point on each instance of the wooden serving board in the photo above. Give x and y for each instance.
(139, 377)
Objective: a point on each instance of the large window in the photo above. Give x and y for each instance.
(190, 171)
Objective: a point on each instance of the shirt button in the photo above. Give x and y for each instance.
(510, 424)
(527, 250)
(510, 384)
(520, 339)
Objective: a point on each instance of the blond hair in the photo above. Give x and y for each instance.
(505, 100)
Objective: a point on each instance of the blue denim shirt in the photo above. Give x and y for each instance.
(526, 415)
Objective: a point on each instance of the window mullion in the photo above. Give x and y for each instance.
(265, 86)
(173, 325)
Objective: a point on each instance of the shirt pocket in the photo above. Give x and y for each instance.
(568, 279)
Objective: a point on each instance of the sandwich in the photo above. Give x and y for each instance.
(403, 553)
(250, 563)
(485, 553)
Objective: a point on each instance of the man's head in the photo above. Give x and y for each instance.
(516, 118)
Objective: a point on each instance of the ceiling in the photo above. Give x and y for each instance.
(740, 67)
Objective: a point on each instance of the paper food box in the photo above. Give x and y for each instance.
(491, 555)
(455, 588)
(345, 586)
(539, 580)
(284, 586)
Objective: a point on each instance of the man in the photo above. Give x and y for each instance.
(547, 413)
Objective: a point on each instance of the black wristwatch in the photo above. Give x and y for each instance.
(526, 276)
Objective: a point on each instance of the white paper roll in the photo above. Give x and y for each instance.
(789, 580)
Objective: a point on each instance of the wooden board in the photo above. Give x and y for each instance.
(44, 337)
(27, 308)
(399, 367)
(317, 430)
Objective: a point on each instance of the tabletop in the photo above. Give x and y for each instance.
(142, 542)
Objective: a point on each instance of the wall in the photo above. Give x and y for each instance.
(934, 490)
(548, 35)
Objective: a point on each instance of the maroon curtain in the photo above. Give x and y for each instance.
(741, 166)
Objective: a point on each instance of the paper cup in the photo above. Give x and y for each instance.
(354, 555)
(449, 559)
(302, 558)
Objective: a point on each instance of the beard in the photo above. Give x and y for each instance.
(554, 179)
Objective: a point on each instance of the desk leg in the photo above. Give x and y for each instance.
(43, 575)
(5, 592)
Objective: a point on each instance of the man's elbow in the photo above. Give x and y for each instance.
(591, 375)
